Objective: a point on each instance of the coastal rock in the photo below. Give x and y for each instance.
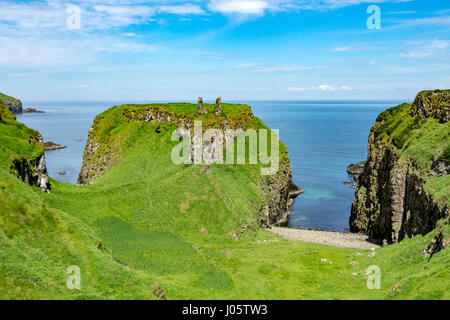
(441, 168)
(48, 146)
(434, 104)
(14, 105)
(32, 170)
(437, 244)
(31, 110)
(391, 201)
(356, 169)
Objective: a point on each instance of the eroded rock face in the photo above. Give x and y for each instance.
(434, 104)
(280, 192)
(391, 201)
(15, 106)
(32, 171)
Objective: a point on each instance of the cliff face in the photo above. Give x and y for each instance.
(395, 195)
(32, 170)
(103, 154)
(280, 192)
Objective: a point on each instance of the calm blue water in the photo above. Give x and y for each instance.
(322, 139)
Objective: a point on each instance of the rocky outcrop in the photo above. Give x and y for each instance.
(31, 110)
(434, 104)
(49, 146)
(280, 192)
(391, 201)
(14, 106)
(32, 170)
(356, 169)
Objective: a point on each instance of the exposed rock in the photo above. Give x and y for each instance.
(14, 106)
(437, 244)
(48, 146)
(218, 107)
(434, 104)
(348, 182)
(61, 173)
(201, 106)
(441, 168)
(32, 171)
(391, 201)
(31, 110)
(280, 193)
(356, 169)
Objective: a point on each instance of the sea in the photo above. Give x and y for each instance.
(322, 137)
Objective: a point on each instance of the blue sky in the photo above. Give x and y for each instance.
(253, 49)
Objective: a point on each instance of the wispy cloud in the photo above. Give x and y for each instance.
(286, 68)
(425, 49)
(322, 87)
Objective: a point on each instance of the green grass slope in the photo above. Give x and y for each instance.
(194, 232)
(7, 99)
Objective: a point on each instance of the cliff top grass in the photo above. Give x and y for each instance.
(8, 99)
(192, 232)
(17, 141)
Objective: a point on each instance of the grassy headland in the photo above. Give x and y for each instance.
(148, 223)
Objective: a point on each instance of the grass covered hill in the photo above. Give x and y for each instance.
(147, 228)
(14, 105)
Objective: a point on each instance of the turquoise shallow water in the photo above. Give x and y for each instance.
(322, 138)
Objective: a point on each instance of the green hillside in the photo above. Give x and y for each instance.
(7, 99)
(148, 225)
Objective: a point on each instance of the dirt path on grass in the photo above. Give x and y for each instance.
(338, 239)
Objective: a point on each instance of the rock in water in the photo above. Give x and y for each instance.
(48, 146)
(356, 169)
(31, 110)
(61, 173)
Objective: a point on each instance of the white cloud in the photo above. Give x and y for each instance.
(325, 87)
(341, 49)
(322, 87)
(182, 9)
(425, 49)
(237, 6)
(286, 68)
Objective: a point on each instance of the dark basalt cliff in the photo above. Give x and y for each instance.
(279, 189)
(392, 200)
